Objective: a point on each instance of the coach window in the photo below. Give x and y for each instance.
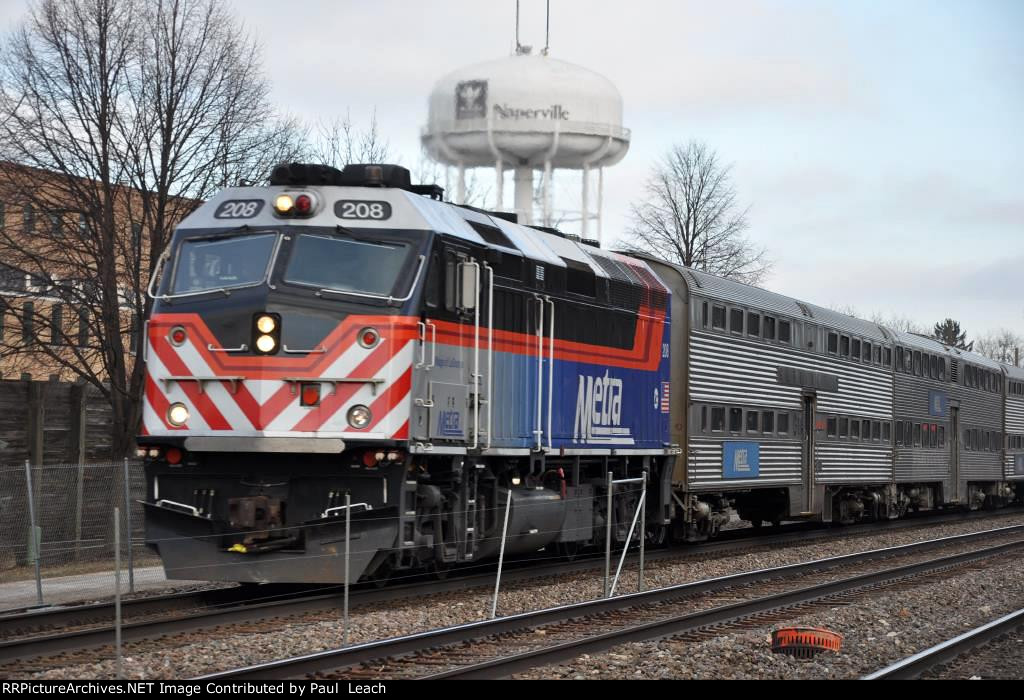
(844, 346)
(718, 317)
(935, 435)
(831, 431)
(899, 358)
(767, 422)
(917, 434)
(886, 432)
(703, 419)
(753, 421)
(717, 419)
(704, 314)
(833, 343)
(967, 440)
(735, 419)
(878, 354)
(935, 367)
(854, 429)
(783, 423)
(876, 430)
(736, 320)
(899, 432)
(888, 357)
(917, 363)
(844, 427)
(867, 351)
(855, 349)
(769, 328)
(753, 324)
(942, 436)
(784, 331)
(942, 369)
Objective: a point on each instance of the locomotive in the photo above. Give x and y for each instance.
(347, 346)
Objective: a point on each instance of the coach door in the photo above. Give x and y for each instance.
(808, 454)
(954, 457)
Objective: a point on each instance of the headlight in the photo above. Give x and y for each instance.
(283, 203)
(266, 343)
(359, 417)
(177, 414)
(266, 324)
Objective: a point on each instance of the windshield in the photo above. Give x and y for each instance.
(210, 264)
(345, 265)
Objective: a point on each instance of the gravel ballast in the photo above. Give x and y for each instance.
(876, 632)
(208, 652)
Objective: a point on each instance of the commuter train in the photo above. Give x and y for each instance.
(345, 349)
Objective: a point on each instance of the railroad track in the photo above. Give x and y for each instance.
(507, 645)
(70, 632)
(994, 649)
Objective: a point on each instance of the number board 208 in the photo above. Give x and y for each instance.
(362, 209)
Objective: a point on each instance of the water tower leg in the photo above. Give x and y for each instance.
(460, 193)
(524, 194)
(499, 173)
(585, 218)
(547, 193)
(600, 203)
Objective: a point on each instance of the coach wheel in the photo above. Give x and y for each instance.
(439, 569)
(657, 534)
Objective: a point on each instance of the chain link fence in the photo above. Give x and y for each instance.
(57, 531)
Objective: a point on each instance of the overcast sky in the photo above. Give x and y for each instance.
(880, 145)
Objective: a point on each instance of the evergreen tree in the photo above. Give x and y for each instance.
(948, 332)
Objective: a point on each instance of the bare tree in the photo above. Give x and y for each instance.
(118, 117)
(339, 142)
(690, 216)
(478, 192)
(1002, 345)
(903, 324)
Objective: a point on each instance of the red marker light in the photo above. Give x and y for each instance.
(370, 458)
(310, 394)
(178, 336)
(303, 204)
(173, 455)
(368, 337)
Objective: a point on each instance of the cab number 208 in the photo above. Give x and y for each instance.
(352, 209)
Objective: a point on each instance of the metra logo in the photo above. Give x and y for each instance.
(599, 411)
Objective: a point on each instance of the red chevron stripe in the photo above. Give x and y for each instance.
(160, 404)
(386, 402)
(200, 399)
(343, 392)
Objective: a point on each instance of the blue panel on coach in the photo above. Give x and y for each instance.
(741, 460)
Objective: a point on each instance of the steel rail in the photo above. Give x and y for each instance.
(399, 646)
(913, 666)
(235, 604)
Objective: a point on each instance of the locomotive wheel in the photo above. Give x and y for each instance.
(569, 550)
(381, 576)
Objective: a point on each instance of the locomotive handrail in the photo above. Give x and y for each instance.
(334, 381)
(178, 506)
(388, 298)
(490, 352)
(330, 511)
(318, 351)
(201, 380)
(161, 261)
(551, 367)
(539, 430)
(241, 348)
(476, 353)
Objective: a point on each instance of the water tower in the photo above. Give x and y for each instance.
(528, 113)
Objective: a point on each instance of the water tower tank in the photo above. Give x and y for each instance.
(527, 113)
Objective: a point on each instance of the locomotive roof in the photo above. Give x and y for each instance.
(410, 211)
